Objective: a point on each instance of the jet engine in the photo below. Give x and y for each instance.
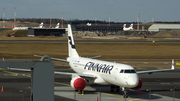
(78, 83)
(138, 86)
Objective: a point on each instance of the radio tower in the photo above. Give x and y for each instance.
(138, 21)
(14, 17)
(95, 19)
(153, 19)
(4, 19)
(50, 20)
(109, 19)
(62, 20)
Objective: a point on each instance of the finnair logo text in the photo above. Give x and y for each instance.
(104, 68)
(70, 42)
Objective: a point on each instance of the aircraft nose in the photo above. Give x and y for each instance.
(132, 81)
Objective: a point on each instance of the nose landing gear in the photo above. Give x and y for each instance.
(116, 88)
(125, 95)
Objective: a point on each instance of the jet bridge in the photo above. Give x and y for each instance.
(42, 77)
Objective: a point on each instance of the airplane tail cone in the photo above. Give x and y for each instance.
(2, 90)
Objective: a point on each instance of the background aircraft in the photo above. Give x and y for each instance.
(57, 26)
(20, 28)
(129, 28)
(26, 28)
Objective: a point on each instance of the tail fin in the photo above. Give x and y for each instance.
(172, 67)
(57, 26)
(41, 25)
(131, 26)
(124, 25)
(71, 45)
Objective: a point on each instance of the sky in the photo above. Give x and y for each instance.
(119, 10)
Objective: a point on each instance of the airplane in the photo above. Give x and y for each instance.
(40, 26)
(57, 26)
(20, 28)
(101, 72)
(26, 28)
(129, 28)
(88, 24)
(96, 71)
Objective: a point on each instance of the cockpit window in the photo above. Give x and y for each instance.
(128, 71)
(121, 71)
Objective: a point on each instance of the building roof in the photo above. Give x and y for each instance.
(156, 27)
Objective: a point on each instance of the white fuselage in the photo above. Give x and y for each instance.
(20, 28)
(127, 29)
(106, 72)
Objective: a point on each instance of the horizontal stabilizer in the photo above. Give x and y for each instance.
(95, 57)
(53, 58)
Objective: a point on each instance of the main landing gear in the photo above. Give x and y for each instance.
(115, 88)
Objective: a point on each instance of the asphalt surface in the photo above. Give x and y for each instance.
(157, 87)
(94, 41)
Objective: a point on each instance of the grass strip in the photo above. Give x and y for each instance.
(106, 50)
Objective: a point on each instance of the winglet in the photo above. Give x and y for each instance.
(172, 67)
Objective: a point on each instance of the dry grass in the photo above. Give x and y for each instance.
(132, 50)
(34, 38)
(106, 50)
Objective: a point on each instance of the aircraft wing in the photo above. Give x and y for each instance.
(61, 73)
(81, 75)
(18, 69)
(63, 59)
(152, 71)
(161, 70)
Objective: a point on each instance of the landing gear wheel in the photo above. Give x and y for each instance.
(125, 96)
(112, 88)
(117, 89)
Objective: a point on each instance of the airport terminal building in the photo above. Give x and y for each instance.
(164, 27)
(58, 32)
(98, 28)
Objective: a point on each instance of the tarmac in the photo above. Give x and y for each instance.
(97, 41)
(156, 87)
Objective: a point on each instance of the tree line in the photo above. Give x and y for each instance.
(77, 21)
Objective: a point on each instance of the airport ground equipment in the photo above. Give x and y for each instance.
(42, 77)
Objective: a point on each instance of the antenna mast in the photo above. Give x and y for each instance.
(4, 19)
(14, 17)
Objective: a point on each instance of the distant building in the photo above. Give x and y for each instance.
(98, 28)
(164, 27)
(46, 32)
